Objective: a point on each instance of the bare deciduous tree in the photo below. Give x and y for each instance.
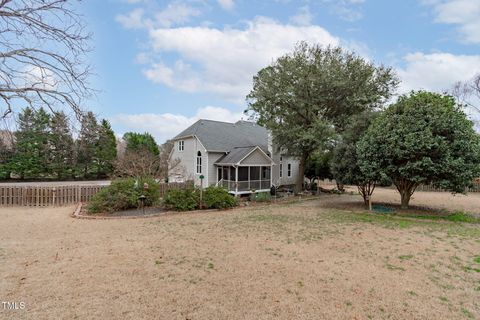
(465, 91)
(43, 45)
(144, 164)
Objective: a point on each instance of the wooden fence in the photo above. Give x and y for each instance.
(43, 196)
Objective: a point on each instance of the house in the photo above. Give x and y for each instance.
(238, 156)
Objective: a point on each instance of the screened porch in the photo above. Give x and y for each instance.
(244, 179)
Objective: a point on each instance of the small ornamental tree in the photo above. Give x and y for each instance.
(424, 138)
(344, 164)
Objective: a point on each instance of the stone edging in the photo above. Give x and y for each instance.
(77, 214)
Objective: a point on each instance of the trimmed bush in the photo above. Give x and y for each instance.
(124, 194)
(218, 198)
(182, 199)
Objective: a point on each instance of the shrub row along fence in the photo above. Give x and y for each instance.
(44, 196)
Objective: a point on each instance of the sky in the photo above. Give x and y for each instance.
(161, 65)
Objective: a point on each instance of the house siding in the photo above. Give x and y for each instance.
(256, 158)
(284, 180)
(212, 169)
(187, 169)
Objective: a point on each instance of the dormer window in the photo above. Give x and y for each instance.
(181, 145)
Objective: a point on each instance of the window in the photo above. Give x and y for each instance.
(289, 170)
(199, 162)
(181, 145)
(281, 167)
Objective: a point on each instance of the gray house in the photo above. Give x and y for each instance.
(238, 156)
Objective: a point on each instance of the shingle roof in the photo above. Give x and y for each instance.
(235, 155)
(225, 136)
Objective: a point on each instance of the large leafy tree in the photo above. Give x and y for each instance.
(344, 164)
(61, 146)
(423, 138)
(302, 96)
(32, 147)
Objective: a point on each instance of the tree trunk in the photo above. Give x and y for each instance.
(301, 174)
(340, 186)
(405, 199)
(366, 191)
(406, 188)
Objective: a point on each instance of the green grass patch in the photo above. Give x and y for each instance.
(454, 217)
(405, 257)
(392, 267)
(476, 259)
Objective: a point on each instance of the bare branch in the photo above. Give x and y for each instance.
(43, 46)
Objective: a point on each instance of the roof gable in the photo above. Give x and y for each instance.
(245, 155)
(225, 136)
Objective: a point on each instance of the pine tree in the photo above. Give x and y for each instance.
(86, 146)
(6, 153)
(61, 145)
(32, 149)
(106, 149)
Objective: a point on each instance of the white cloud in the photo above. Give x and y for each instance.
(436, 71)
(303, 17)
(166, 125)
(463, 13)
(132, 20)
(175, 13)
(223, 61)
(226, 4)
(346, 9)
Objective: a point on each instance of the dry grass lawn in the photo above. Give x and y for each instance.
(301, 260)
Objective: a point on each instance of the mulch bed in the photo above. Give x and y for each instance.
(81, 213)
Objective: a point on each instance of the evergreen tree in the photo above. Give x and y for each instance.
(423, 138)
(141, 142)
(6, 153)
(61, 146)
(32, 153)
(87, 145)
(106, 150)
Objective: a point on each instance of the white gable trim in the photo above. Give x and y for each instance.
(254, 149)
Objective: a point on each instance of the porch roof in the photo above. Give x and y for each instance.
(237, 155)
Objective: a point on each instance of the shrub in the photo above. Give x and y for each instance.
(124, 194)
(182, 199)
(218, 198)
(261, 197)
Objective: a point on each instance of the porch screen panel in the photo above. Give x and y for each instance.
(242, 173)
(255, 178)
(265, 173)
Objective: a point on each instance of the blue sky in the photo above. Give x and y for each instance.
(161, 65)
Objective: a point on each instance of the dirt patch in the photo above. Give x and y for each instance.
(298, 260)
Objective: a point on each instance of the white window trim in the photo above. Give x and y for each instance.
(181, 145)
(289, 170)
